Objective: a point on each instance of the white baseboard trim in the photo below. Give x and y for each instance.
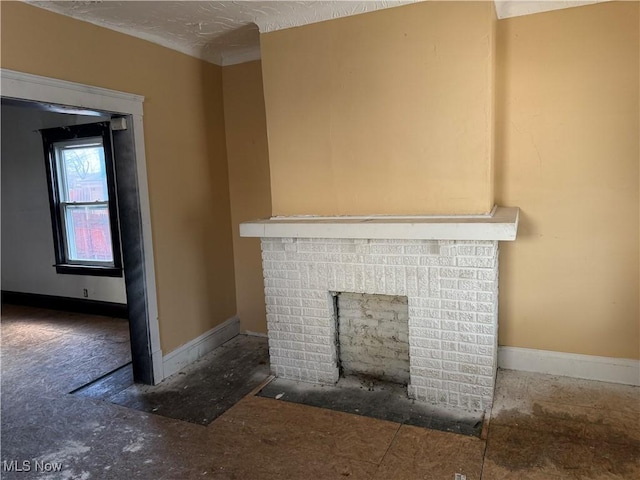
(157, 360)
(188, 353)
(590, 367)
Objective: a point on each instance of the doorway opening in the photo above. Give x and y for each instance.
(47, 103)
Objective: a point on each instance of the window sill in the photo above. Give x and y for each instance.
(91, 270)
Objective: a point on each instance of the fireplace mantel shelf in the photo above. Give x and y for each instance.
(501, 224)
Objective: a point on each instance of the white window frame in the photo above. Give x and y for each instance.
(64, 203)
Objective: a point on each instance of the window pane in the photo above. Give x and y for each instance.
(88, 233)
(83, 173)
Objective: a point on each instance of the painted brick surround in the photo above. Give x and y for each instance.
(452, 290)
(445, 266)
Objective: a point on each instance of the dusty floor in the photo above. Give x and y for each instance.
(376, 399)
(199, 393)
(542, 427)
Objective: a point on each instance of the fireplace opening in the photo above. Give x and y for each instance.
(373, 337)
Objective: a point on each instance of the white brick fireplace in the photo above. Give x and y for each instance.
(447, 267)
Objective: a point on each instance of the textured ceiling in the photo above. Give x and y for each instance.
(220, 32)
(227, 32)
(516, 8)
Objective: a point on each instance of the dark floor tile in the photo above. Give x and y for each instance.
(206, 389)
(381, 400)
(105, 387)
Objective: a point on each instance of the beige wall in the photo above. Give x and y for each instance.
(248, 157)
(383, 113)
(568, 155)
(185, 151)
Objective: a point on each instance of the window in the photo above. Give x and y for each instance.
(82, 195)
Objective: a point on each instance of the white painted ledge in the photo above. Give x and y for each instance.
(500, 224)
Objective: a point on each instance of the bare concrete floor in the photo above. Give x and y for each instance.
(542, 427)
